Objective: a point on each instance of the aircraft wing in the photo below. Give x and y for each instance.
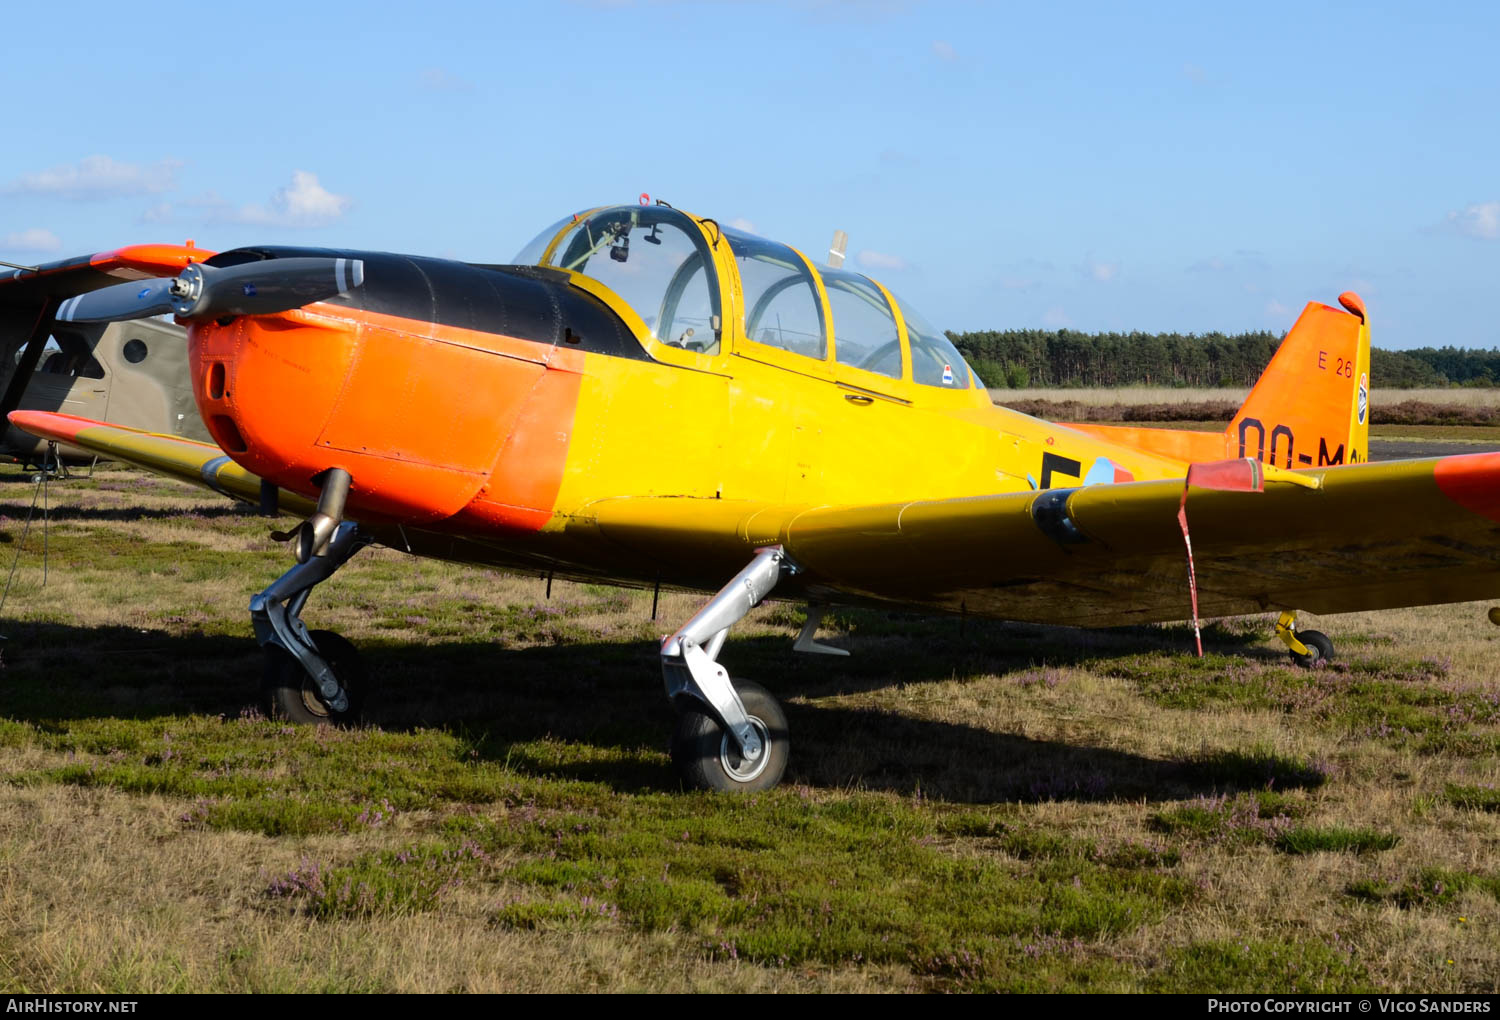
(185, 459)
(68, 277)
(1374, 536)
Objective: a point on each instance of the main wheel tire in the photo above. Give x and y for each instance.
(289, 693)
(1318, 645)
(706, 757)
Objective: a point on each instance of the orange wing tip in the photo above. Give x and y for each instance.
(1472, 481)
(1353, 304)
(154, 259)
(47, 425)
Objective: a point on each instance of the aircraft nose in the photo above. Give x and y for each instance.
(267, 385)
(420, 419)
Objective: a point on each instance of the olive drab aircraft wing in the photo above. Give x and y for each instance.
(644, 397)
(131, 374)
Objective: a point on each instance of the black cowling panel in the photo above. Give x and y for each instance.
(525, 302)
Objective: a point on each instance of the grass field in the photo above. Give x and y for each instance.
(987, 807)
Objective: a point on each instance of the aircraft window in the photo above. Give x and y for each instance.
(69, 356)
(655, 259)
(934, 360)
(781, 301)
(864, 330)
(134, 351)
(531, 255)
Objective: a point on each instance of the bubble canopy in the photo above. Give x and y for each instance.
(710, 290)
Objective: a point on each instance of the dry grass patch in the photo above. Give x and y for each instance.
(985, 807)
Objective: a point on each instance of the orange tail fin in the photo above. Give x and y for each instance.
(1311, 406)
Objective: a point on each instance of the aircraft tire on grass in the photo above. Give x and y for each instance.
(707, 759)
(287, 692)
(1318, 644)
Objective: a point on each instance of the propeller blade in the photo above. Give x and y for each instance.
(266, 287)
(213, 292)
(138, 299)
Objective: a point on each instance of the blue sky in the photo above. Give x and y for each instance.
(1158, 167)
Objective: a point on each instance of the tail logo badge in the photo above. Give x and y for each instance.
(1364, 396)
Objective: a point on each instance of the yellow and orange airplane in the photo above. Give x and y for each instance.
(646, 397)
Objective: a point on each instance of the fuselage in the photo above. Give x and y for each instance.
(497, 405)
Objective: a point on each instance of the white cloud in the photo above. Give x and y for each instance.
(740, 223)
(944, 51)
(161, 212)
(34, 240)
(1481, 220)
(1056, 318)
(99, 177)
(1103, 272)
(879, 260)
(437, 79)
(303, 203)
(1276, 310)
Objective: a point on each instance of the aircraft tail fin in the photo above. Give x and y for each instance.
(1311, 406)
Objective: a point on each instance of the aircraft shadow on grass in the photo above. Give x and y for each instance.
(597, 693)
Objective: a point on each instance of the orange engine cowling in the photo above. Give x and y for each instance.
(447, 390)
(419, 421)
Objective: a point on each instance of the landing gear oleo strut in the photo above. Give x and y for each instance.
(311, 676)
(731, 735)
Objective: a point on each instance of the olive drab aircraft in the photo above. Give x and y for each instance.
(644, 397)
(126, 374)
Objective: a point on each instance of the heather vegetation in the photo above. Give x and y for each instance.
(969, 807)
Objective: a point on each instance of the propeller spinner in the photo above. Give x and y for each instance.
(211, 292)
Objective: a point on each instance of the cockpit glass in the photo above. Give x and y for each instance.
(864, 330)
(656, 260)
(781, 301)
(531, 255)
(934, 360)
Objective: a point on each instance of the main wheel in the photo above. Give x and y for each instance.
(288, 692)
(706, 757)
(1319, 647)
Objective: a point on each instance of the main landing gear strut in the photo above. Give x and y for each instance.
(311, 676)
(731, 734)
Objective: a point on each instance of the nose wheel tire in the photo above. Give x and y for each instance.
(708, 759)
(288, 692)
(1319, 647)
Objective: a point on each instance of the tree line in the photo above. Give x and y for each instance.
(1018, 358)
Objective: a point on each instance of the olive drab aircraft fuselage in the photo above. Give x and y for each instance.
(646, 397)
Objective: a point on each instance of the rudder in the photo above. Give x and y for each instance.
(1311, 406)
